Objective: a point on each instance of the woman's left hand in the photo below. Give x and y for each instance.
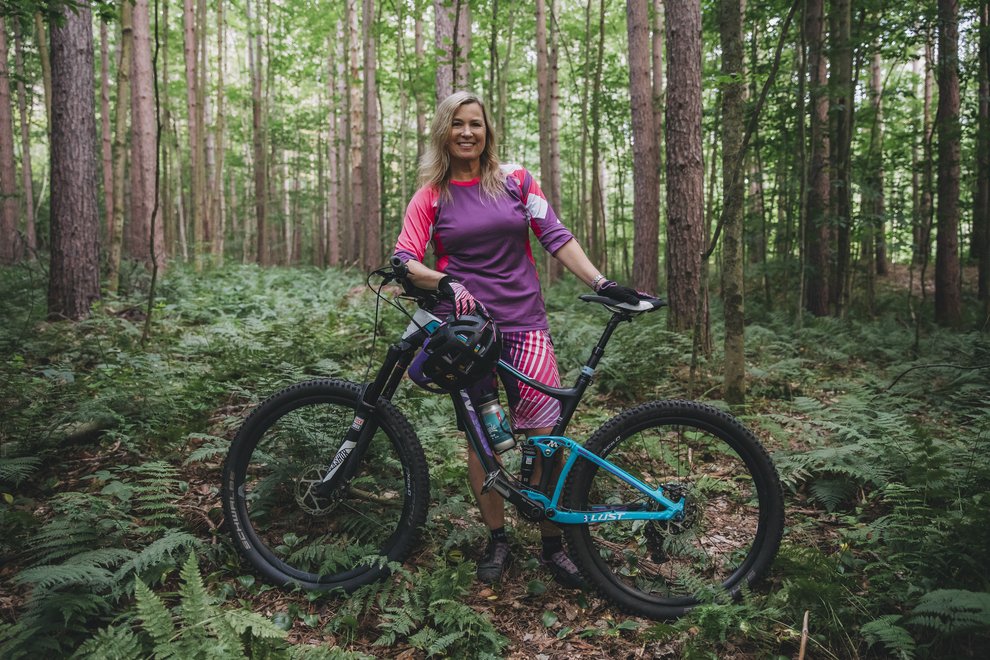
(464, 302)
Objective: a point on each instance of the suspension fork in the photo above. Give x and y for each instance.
(358, 437)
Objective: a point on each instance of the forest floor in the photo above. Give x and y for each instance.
(829, 400)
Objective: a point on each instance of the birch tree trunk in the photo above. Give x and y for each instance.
(685, 170)
(733, 102)
(10, 242)
(948, 302)
(74, 273)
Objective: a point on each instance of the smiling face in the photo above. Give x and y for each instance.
(466, 142)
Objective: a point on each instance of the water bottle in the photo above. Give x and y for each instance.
(496, 422)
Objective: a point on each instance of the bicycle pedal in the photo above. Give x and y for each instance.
(489, 482)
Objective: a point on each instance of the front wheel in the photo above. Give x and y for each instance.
(732, 522)
(344, 540)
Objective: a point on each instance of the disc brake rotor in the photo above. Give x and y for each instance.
(657, 531)
(305, 493)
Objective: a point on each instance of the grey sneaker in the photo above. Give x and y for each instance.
(491, 567)
(564, 572)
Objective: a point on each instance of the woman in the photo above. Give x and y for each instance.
(477, 215)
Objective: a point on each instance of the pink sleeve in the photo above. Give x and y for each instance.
(544, 222)
(417, 226)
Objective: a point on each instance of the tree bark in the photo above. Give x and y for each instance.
(462, 47)
(123, 111)
(74, 272)
(733, 102)
(11, 247)
(46, 65)
(144, 154)
(219, 213)
(816, 217)
(258, 141)
(444, 42)
(106, 135)
(372, 143)
(840, 83)
(27, 180)
(981, 216)
(333, 166)
(357, 135)
(948, 303)
(596, 238)
(417, 93)
(685, 169)
(872, 253)
(646, 182)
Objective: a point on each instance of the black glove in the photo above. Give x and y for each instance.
(616, 291)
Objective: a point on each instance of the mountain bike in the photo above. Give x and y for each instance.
(669, 504)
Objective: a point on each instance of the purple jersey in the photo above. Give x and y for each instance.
(484, 243)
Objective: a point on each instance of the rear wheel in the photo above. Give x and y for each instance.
(343, 541)
(732, 522)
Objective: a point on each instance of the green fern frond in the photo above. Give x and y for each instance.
(952, 611)
(896, 640)
(242, 621)
(16, 470)
(159, 552)
(51, 576)
(156, 619)
(196, 606)
(112, 643)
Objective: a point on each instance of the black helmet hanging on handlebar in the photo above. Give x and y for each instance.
(462, 351)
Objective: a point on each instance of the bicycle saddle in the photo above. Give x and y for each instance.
(646, 304)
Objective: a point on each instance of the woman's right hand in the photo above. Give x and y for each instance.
(464, 302)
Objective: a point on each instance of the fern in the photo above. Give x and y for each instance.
(113, 643)
(952, 611)
(896, 640)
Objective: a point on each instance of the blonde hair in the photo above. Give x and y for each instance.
(434, 168)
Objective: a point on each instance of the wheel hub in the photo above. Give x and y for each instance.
(306, 493)
(656, 532)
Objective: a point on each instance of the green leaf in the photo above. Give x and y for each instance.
(282, 621)
(536, 588)
(549, 618)
(247, 581)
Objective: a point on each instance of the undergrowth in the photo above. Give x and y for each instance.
(110, 455)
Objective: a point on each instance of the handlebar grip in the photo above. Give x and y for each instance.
(398, 267)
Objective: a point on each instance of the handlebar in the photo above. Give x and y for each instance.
(397, 271)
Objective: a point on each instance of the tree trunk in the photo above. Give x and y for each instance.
(685, 169)
(46, 66)
(347, 226)
(981, 216)
(120, 143)
(462, 46)
(258, 142)
(733, 101)
(840, 82)
(333, 165)
(816, 217)
(30, 232)
(357, 133)
(219, 213)
(444, 42)
(646, 184)
(74, 273)
(144, 154)
(948, 303)
(10, 242)
(872, 252)
(106, 135)
(417, 92)
(372, 182)
(542, 88)
(596, 239)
